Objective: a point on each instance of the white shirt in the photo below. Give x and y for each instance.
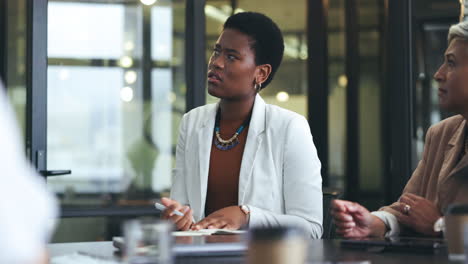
(27, 209)
(279, 177)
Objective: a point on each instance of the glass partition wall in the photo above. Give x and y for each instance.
(116, 94)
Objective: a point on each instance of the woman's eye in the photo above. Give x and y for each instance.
(231, 57)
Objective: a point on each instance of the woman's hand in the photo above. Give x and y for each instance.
(352, 220)
(230, 217)
(418, 213)
(182, 223)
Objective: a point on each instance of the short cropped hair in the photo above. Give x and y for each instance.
(459, 30)
(267, 39)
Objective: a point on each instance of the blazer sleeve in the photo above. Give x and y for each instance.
(302, 184)
(413, 186)
(179, 188)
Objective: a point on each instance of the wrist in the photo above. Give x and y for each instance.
(377, 227)
(246, 211)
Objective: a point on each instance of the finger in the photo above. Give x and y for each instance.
(170, 214)
(404, 219)
(339, 205)
(414, 197)
(187, 226)
(203, 224)
(357, 211)
(187, 215)
(167, 202)
(406, 199)
(229, 227)
(177, 207)
(343, 231)
(217, 224)
(403, 208)
(345, 225)
(342, 217)
(182, 223)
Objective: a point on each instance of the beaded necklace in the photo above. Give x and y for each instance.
(234, 140)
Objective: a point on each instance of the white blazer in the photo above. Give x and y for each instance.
(279, 177)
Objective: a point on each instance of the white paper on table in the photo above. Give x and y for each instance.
(208, 232)
(82, 258)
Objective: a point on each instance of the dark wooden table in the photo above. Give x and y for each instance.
(320, 251)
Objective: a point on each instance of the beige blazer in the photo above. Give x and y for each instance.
(441, 176)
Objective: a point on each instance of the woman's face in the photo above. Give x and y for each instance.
(232, 72)
(452, 77)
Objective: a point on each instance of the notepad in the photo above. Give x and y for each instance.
(208, 232)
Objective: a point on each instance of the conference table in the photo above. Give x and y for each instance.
(319, 251)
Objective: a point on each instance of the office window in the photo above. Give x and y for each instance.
(371, 169)
(116, 95)
(337, 94)
(16, 59)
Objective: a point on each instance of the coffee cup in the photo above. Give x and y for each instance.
(455, 219)
(277, 245)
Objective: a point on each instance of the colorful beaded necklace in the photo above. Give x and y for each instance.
(234, 140)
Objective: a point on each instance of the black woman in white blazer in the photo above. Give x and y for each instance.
(279, 181)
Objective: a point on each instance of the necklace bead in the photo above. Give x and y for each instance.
(230, 143)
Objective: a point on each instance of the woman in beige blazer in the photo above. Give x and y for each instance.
(440, 178)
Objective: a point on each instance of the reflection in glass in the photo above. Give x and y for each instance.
(337, 95)
(16, 59)
(112, 119)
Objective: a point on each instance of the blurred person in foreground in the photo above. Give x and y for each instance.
(440, 178)
(27, 210)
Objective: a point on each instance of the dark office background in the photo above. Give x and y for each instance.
(361, 71)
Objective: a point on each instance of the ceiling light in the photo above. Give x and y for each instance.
(343, 80)
(148, 2)
(130, 77)
(282, 97)
(126, 94)
(126, 62)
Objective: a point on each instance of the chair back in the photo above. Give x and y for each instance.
(328, 226)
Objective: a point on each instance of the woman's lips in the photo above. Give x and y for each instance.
(442, 92)
(214, 78)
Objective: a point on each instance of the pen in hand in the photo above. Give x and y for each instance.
(176, 212)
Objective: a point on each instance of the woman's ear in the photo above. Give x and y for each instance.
(263, 71)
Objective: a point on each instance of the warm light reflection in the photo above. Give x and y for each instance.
(343, 80)
(171, 97)
(126, 62)
(148, 2)
(282, 97)
(129, 46)
(131, 77)
(126, 94)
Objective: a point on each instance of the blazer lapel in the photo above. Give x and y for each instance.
(254, 140)
(205, 139)
(460, 145)
(452, 153)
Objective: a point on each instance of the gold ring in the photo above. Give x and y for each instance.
(406, 209)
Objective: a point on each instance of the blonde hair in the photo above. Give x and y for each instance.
(459, 30)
